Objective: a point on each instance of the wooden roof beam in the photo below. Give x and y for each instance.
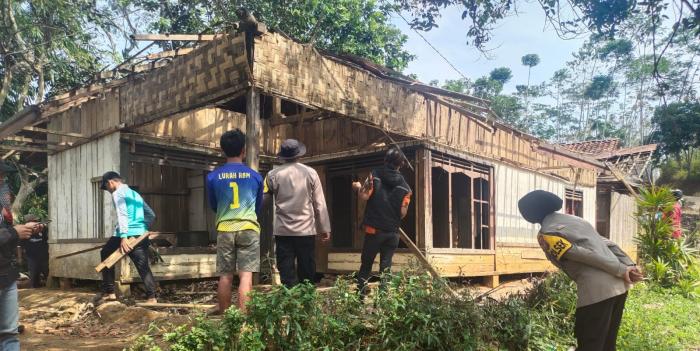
(55, 132)
(175, 37)
(169, 53)
(28, 116)
(23, 148)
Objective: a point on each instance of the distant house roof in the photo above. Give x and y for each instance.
(631, 161)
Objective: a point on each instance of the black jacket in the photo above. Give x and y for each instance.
(383, 210)
(37, 246)
(8, 255)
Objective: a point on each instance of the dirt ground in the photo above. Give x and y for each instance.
(68, 320)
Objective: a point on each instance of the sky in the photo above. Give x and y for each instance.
(516, 36)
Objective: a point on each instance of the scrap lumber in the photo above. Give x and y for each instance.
(80, 251)
(55, 132)
(616, 172)
(174, 305)
(117, 255)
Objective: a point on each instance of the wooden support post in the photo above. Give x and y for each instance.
(252, 129)
(491, 281)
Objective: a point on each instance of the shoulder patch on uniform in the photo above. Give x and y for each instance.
(558, 246)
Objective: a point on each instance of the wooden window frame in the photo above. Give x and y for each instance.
(473, 171)
(571, 197)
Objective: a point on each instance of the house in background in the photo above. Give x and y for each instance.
(159, 126)
(615, 204)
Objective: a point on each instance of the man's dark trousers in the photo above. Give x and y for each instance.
(37, 266)
(382, 243)
(597, 324)
(301, 249)
(139, 256)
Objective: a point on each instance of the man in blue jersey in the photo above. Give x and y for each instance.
(235, 192)
(134, 217)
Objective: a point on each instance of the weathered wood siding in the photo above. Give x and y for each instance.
(89, 118)
(511, 185)
(300, 73)
(623, 225)
(71, 205)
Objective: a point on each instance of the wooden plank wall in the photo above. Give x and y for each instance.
(89, 118)
(512, 184)
(299, 73)
(623, 226)
(202, 126)
(165, 190)
(70, 189)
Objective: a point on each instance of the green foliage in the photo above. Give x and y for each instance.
(599, 87)
(667, 261)
(501, 75)
(457, 85)
(357, 27)
(678, 130)
(530, 60)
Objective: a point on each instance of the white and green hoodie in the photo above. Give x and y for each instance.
(134, 216)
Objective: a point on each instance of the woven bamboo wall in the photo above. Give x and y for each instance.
(211, 71)
(202, 126)
(299, 73)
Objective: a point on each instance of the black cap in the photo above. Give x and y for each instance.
(291, 149)
(107, 177)
(394, 158)
(538, 204)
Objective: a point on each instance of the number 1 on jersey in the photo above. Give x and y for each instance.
(234, 202)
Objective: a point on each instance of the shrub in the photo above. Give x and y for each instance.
(667, 261)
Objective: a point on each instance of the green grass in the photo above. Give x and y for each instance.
(659, 320)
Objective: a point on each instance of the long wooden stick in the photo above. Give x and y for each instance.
(424, 260)
(117, 255)
(80, 251)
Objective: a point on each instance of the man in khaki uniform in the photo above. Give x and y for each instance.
(300, 214)
(602, 271)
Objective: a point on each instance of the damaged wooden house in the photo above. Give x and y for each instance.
(626, 170)
(159, 126)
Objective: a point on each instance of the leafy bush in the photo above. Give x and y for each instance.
(667, 261)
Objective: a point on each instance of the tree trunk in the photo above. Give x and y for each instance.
(6, 85)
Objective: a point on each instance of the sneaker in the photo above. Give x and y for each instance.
(101, 297)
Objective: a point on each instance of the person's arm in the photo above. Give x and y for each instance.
(7, 235)
(404, 205)
(211, 194)
(323, 223)
(259, 199)
(560, 248)
(148, 215)
(267, 193)
(122, 214)
(365, 191)
(618, 252)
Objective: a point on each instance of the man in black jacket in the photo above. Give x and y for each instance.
(36, 250)
(388, 196)
(9, 307)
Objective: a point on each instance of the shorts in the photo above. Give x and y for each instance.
(238, 252)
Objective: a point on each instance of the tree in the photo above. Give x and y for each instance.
(457, 85)
(501, 75)
(529, 60)
(45, 47)
(487, 88)
(357, 27)
(678, 130)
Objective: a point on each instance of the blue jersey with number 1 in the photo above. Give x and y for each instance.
(235, 193)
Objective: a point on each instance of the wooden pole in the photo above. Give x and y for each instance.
(80, 251)
(423, 260)
(252, 129)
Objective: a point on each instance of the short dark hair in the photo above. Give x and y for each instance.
(233, 142)
(394, 158)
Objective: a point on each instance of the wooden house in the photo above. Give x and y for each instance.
(627, 169)
(160, 125)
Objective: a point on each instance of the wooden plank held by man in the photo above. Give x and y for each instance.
(117, 255)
